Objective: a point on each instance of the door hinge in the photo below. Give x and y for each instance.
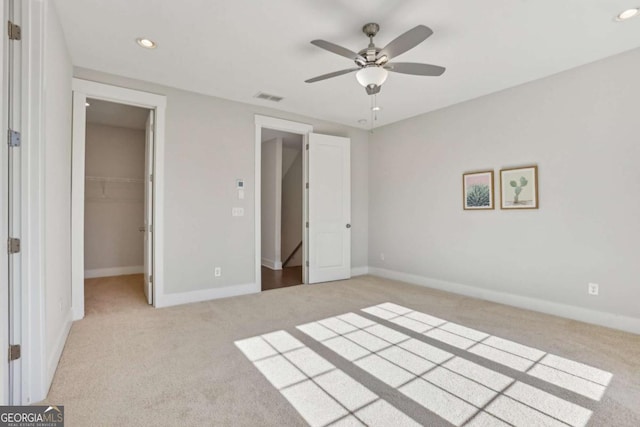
(307, 263)
(307, 224)
(14, 31)
(151, 278)
(307, 146)
(14, 352)
(307, 185)
(151, 177)
(14, 139)
(13, 245)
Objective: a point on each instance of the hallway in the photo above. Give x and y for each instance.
(276, 279)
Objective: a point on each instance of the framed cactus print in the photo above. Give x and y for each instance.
(477, 190)
(519, 188)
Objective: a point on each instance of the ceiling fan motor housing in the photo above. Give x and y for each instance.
(370, 54)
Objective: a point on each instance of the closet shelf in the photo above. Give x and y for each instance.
(115, 179)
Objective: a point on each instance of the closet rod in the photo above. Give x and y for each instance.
(114, 179)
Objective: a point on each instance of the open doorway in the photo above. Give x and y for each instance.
(154, 107)
(117, 139)
(282, 201)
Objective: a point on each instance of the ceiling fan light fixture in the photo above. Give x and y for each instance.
(372, 76)
(627, 14)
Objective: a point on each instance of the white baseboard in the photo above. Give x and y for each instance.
(114, 271)
(168, 300)
(610, 320)
(359, 271)
(54, 358)
(273, 265)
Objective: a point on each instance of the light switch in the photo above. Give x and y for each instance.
(241, 194)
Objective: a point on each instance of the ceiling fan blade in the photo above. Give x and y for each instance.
(330, 75)
(331, 47)
(406, 41)
(415, 68)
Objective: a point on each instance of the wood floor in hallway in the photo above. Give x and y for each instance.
(276, 279)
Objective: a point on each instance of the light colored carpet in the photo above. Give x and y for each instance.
(129, 364)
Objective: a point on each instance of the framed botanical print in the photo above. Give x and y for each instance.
(477, 190)
(519, 188)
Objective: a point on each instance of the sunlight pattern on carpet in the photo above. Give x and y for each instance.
(460, 391)
(433, 372)
(568, 374)
(322, 394)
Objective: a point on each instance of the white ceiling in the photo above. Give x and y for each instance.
(113, 114)
(236, 48)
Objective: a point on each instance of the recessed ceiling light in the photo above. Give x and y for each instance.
(627, 14)
(146, 43)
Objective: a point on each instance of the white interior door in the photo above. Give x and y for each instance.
(329, 208)
(148, 209)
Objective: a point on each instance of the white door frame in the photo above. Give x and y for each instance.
(83, 89)
(285, 126)
(4, 263)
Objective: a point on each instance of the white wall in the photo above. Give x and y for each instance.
(57, 198)
(292, 201)
(581, 128)
(270, 197)
(209, 144)
(114, 211)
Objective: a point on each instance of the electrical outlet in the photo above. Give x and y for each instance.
(381, 256)
(593, 289)
(217, 272)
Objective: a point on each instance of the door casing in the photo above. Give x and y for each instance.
(83, 89)
(148, 204)
(285, 126)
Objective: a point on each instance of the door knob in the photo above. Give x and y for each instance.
(348, 225)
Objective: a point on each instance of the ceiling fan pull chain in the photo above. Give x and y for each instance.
(375, 105)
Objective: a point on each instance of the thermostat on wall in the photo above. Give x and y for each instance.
(239, 184)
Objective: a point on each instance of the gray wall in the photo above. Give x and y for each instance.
(114, 213)
(581, 128)
(292, 201)
(271, 179)
(209, 144)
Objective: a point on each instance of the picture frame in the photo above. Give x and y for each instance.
(478, 190)
(519, 188)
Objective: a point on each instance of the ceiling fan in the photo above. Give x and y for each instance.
(373, 62)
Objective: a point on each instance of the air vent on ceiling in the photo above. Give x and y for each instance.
(268, 97)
